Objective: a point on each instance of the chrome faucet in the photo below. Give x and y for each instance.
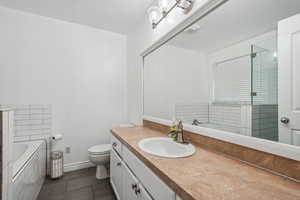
(180, 133)
(196, 122)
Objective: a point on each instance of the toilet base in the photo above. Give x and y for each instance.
(101, 172)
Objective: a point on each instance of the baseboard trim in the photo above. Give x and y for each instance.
(77, 165)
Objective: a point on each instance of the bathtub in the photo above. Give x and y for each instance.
(29, 169)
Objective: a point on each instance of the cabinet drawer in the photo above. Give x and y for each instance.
(156, 187)
(116, 144)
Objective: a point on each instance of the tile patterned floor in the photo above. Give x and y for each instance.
(77, 185)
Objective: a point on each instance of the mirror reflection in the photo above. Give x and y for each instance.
(222, 71)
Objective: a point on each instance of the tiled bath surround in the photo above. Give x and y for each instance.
(234, 117)
(33, 122)
(188, 112)
(6, 131)
(256, 120)
(28, 181)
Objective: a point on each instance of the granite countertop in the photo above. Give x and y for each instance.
(207, 175)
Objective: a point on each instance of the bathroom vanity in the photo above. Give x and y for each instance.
(204, 175)
(132, 179)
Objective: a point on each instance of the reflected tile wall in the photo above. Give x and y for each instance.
(265, 122)
(189, 112)
(233, 117)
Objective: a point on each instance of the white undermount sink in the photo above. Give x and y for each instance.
(166, 147)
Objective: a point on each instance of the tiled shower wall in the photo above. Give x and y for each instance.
(265, 122)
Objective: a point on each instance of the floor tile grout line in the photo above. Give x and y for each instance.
(93, 193)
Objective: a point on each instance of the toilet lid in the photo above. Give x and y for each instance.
(100, 149)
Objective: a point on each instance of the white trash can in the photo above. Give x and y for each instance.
(56, 164)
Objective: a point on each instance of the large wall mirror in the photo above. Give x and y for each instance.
(222, 71)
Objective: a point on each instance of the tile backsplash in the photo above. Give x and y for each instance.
(33, 120)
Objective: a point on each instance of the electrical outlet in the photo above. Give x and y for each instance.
(68, 150)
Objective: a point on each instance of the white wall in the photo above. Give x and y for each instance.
(173, 76)
(79, 70)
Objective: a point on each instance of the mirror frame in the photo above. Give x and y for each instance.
(276, 148)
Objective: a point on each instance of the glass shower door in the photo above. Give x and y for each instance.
(264, 97)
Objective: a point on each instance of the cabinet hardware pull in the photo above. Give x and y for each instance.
(119, 164)
(134, 186)
(137, 191)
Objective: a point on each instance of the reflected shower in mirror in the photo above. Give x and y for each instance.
(222, 71)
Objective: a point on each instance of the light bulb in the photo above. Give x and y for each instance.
(154, 14)
(163, 5)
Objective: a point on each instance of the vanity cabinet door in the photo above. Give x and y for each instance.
(130, 185)
(153, 184)
(116, 174)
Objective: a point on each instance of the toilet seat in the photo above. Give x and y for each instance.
(101, 149)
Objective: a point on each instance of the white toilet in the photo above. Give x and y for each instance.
(100, 156)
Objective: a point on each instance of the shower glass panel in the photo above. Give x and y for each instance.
(264, 93)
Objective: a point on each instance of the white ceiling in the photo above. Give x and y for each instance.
(113, 15)
(235, 21)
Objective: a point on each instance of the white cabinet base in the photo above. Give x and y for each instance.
(131, 179)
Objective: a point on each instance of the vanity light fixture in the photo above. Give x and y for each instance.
(186, 5)
(154, 15)
(165, 5)
(158, 13)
